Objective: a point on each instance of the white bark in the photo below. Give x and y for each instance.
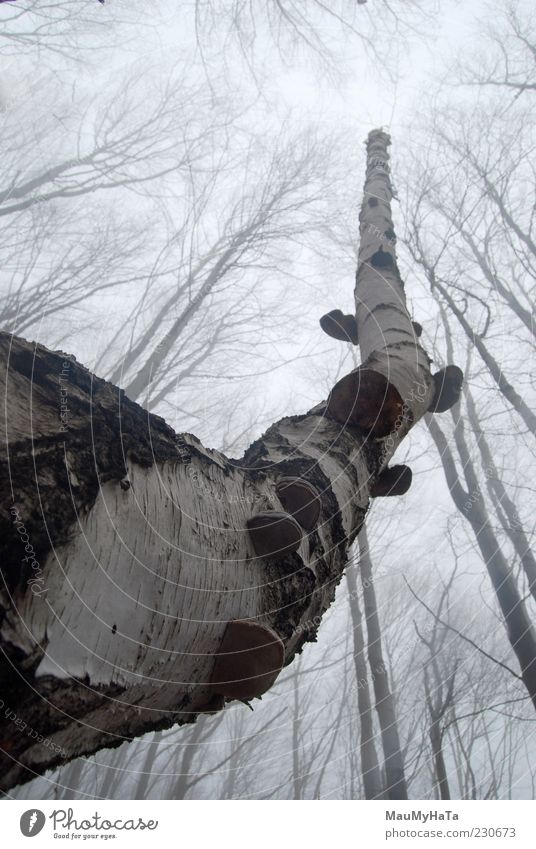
(135, 598)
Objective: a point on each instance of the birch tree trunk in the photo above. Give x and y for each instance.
(125, 546)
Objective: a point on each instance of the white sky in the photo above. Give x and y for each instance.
(371, 101)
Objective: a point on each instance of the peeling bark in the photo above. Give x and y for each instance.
(126, 549)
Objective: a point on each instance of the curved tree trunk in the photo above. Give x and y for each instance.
(126, 552)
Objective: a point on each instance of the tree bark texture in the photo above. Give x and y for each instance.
(125, 548)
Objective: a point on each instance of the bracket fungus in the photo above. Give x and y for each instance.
(248, 661)
(392, 481)
(343, 326)
(274, 533)
(301, 500)
(365, 399)
(447, 389)
(340, 326)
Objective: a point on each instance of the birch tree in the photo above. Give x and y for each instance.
(312, 28)
(149, 579)
(61, 29)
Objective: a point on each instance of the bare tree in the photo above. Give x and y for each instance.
(439, 688)
(395, 780)
(506, 388)
(66, 246)
(506, 60)
(500, 498)
(372, 782)
(139, 639)
(308, 27)
(62, 29)
(471, 504)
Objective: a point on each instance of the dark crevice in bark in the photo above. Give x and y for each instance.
(381, 307)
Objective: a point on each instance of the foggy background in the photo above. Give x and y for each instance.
(181, 185)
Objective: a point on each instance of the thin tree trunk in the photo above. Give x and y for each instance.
(71, 781)
(113, 773)
(493, 279)
(147, 766)
(370, 769)
(504, 386)
(436, 739)
(238, 731)
(395, 778)
(182, 784)
(471, 504)
(495, 370)
(296, 777)
(503, 503)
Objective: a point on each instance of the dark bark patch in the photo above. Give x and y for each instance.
(382, 259)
